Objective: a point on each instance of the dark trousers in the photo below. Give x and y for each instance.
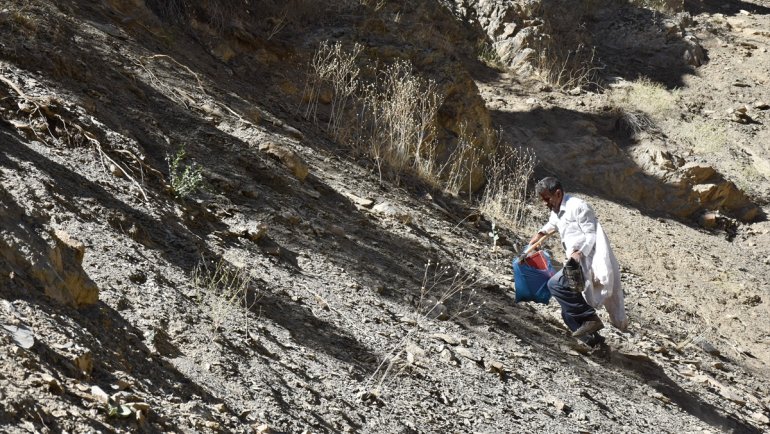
(574, 309)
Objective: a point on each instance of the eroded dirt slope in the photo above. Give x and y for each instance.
(329, 332)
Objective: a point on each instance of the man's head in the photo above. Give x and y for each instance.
(550, 191)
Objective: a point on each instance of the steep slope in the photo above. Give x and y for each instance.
(292, 294)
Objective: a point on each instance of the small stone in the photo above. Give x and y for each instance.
(706, 346)
(338, 231)
(366, 203)
(122, 385)
(446, 356)
(290, 217)
(451, 340)
(761, 418)
(661, 397)
(85, 362)
(53, 384)
(414, 352)
(256, 232)
(116, 171)
(497, 367)
(21, 334)
(212, 425)
(100, 395)
(263, 429)
(465, 352)
(732, 395)
(139, 406)
(222, 408)
(288, 157)
(393, 211)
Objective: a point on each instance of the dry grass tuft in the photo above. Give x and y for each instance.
(646, 96)
(390, 119)
(227, 293)
(505, 195)
(703, 136)
(397, 122)
(567, 69)
(643, 104)
(333, 67)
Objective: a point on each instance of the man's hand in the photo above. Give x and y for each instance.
(576, 255)
(536, 238)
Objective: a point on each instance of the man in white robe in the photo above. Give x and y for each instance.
(579, 229)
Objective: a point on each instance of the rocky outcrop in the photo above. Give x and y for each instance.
(37, 258)
(694, 187)
(530, 35)
(646, 176)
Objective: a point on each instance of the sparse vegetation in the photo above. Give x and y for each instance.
(646, 96)
(643, 103)
(334, 69)
(395, 118)
(225, 292)
(505, 195)
(567, 68)
(489, 56)
(186, 179)
(445, 294)
(458, 172)
(443, 290)
(397, 122)
(703, 136)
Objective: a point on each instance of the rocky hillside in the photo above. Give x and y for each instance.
(196, 235)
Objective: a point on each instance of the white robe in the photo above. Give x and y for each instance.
(602, 286)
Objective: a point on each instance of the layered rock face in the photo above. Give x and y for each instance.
(35, 258)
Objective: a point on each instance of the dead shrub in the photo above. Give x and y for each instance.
(335, 68)
(464, 163)
(226, 293)
(566, 68)
(397, 122)
(445, 294)
(505, 194)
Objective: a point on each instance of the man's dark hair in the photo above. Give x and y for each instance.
(549, 184)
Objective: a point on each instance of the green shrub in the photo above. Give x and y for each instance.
(186, 179)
